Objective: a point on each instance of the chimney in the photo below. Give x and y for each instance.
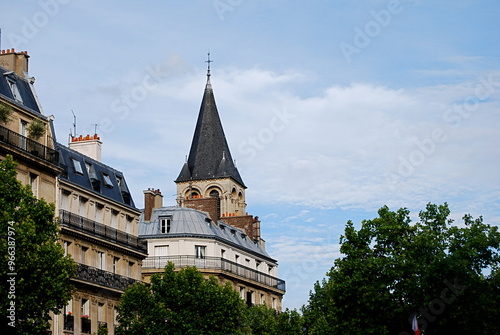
(90, 146)
(15, 61)
(152, 199)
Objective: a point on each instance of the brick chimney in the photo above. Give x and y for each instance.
(152, 199)
(89, 145)
(15, 61)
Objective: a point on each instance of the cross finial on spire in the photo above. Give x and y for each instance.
(208, 61)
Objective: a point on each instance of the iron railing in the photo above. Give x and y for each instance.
(100, 230)
(102, 277)
(216, 263)
(28, 145)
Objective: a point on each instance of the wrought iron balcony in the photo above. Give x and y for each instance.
(69, 322)
(215, 263)
(100, 230)
(102, 277)
(28, 145)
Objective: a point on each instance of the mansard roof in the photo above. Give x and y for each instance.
(188, 222)
(94, 176)
(209, 157)
(26, 99)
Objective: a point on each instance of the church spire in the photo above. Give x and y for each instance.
(209, 157)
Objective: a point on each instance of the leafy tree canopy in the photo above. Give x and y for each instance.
(180, 303)
(392, 268)
(34, 273)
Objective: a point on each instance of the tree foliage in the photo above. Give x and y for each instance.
(34, 273)
(447, 274)
(184, 302)
(180, 303)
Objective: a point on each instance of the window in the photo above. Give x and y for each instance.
(82, 255)
(23, 132)
(77, 165)
(161, 250)
(14, 89)
(249, 298)
(115, 264)
(98, 212)
(65, 200)
(236, 257)
(100, 312)
(200, 251)
(107, 180)
(165, 224)
(262, 299)
(66, 245)
(222, 252)
(34, 184)
(82, 209)
(85, 308)
(101, 260)
(274, 303)
(114, 218)
(130, 271)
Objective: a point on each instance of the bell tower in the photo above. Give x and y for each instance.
(209, 180)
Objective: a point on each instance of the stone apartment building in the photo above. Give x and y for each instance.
(97, 215)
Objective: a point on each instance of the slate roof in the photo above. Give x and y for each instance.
(188, 222)
(209, 157)
(24, 87)
(93, 176)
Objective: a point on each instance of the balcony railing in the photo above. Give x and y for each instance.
(102, 277)
(86, 325)
(100, 230)
(69, 322)
(216, 263)
(28, 145)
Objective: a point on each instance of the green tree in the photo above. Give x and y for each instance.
(182, 302)
(261, 320)
(290, 322)
(34, 273)
(392, 268)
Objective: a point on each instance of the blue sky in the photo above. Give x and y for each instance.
(332, 109)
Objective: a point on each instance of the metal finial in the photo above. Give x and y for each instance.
(208, 61)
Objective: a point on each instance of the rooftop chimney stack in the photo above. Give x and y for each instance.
(89, 145)
(152, 199)
(15, 61)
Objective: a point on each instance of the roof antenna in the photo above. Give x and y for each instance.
(74, 121)
(95, 128)
(208, 61)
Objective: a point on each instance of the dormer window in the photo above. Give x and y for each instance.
(107, 180)
(77, 165)
(165, 225)
(14, 89)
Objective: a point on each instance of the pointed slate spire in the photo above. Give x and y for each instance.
(209, 157)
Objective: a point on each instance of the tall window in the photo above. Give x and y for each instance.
(200, 251)
(98, 212)
(23, 132)
(101, 260)
(83, 254)
(85, 307)
(34, 184)
(130, 271)
(115, 264)
(114, 218)
(100, 312)
(66, 245)
(165, 224)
